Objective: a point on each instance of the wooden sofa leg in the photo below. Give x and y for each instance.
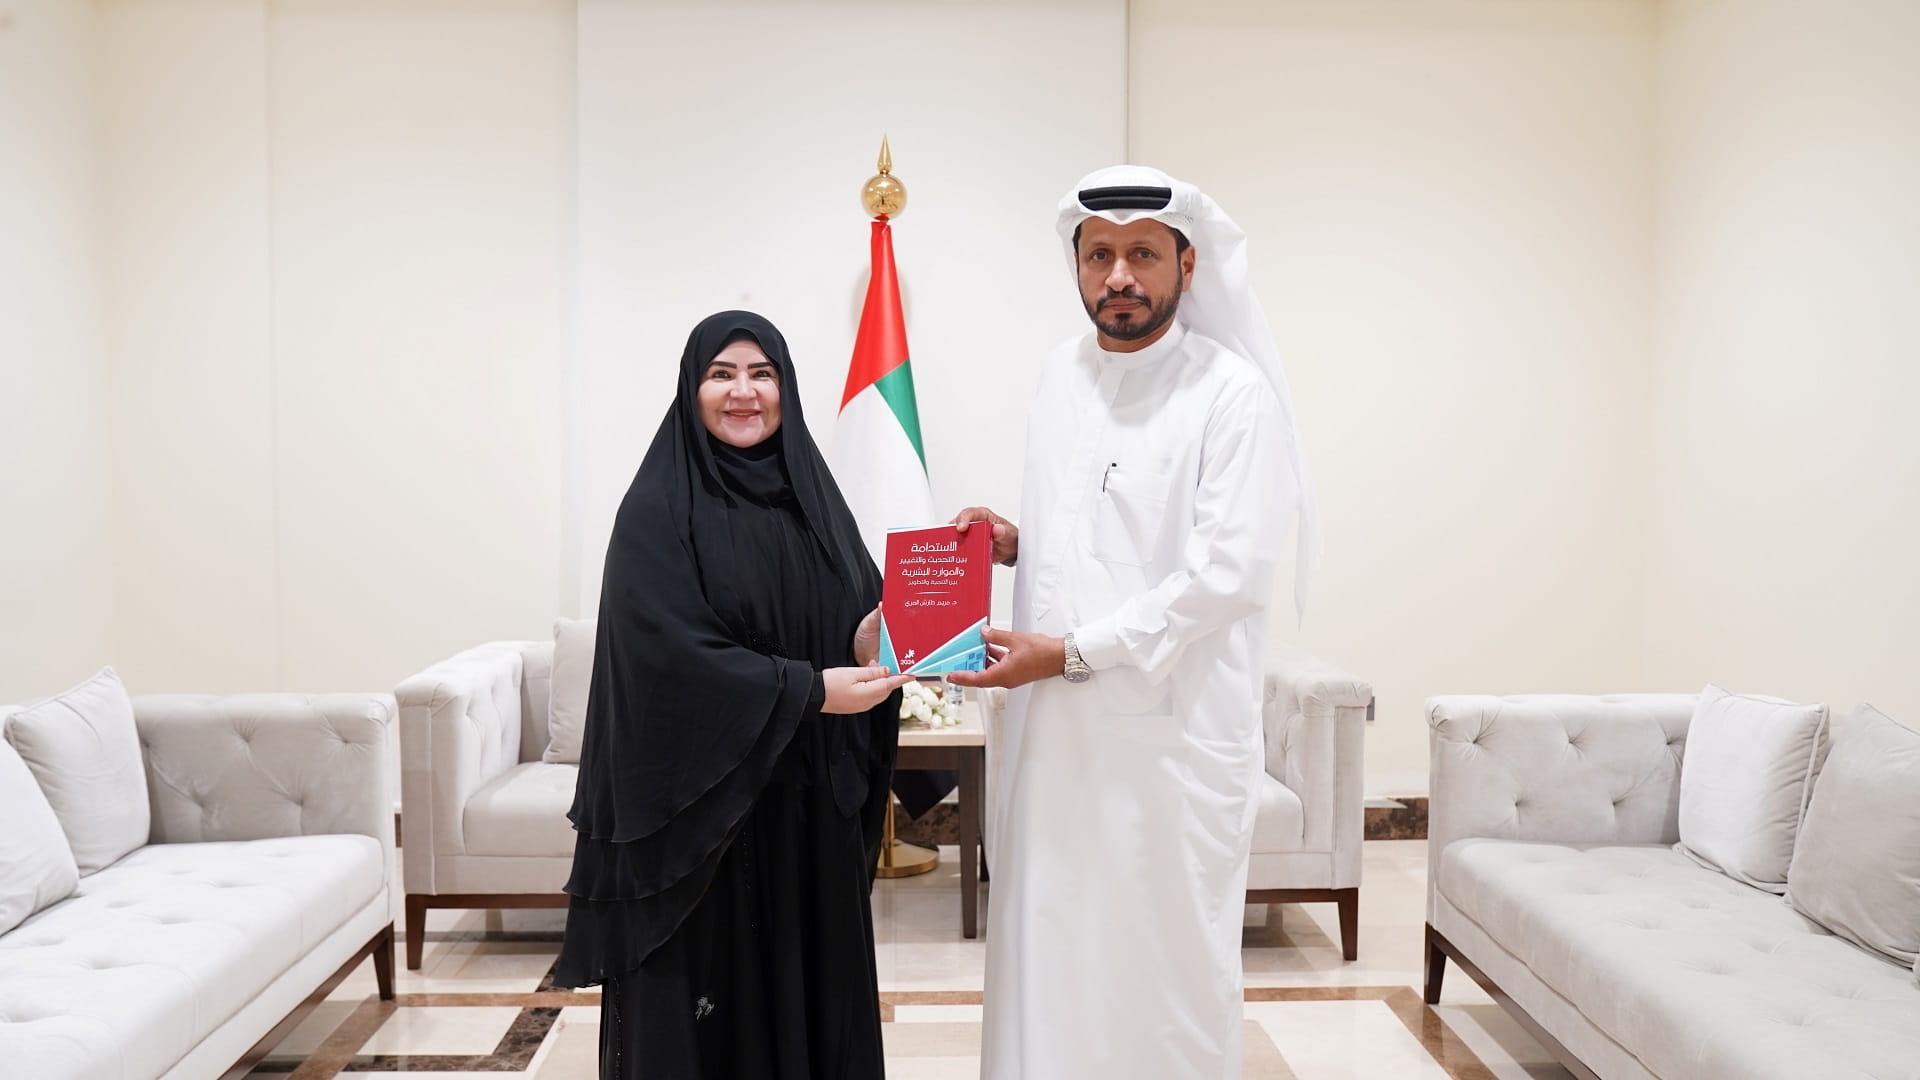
(416, 929)
(383, 964)
(1349, 901)
(1436, 966)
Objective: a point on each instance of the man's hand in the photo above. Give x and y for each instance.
(1006, 535)
(857, 689)
(866, 639)
(1016, 660)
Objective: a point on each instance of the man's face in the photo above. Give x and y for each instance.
(1130, 280)
(740, 395)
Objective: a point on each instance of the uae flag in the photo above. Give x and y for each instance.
(879, 459)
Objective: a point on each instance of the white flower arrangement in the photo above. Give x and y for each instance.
(925, 703)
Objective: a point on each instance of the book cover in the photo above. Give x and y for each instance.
(937, 590)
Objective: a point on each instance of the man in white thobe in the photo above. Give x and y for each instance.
(1163, 470)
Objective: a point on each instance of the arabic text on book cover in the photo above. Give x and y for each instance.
(937, 592)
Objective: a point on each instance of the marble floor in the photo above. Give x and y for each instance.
(481, 1005)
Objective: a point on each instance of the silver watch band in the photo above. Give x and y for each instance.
(1075, 666)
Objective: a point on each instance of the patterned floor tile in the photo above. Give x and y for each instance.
(484, 1005)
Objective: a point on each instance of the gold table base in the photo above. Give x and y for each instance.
(897, 859)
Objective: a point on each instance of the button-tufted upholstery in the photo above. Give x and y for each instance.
(1311, 813)
(253, 765)
(157, 951)
(483, 817)
(1600, 769)
(266, 877)
(1553, 873)
(1659, 951)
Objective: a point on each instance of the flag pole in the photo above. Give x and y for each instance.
(883, 198)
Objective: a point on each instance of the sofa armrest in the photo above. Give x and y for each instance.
(1565, 768)
(249, 766)
(1314, 718)
(459, 729)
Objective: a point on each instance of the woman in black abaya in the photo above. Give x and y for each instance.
(738, 746)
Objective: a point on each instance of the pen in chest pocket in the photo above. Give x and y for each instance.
(1104, 476)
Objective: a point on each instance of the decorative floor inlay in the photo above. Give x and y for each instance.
(548, 936)
(930, 1034)
(483, 1005)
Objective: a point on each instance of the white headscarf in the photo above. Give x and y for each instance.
(1220, 304)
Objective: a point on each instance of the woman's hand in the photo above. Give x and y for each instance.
(866, 639)
(857, 689)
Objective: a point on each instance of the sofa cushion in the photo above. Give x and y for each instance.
(1743, 783)
(84, 750)
(1693, 972)
(572, 678)
(523, 811)
(1281, 823)
(1856, 869)
(152, 954)
(36, 865)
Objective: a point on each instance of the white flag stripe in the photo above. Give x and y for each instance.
(878, 472)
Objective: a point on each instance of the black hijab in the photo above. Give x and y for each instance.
(688, 711)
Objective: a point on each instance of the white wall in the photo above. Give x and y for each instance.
(56, 569)
(1788, 336)
(340, 252)
(333, 254)
(1449, 208)
(187, 221)
(723, 146)
(422, 168)
(338, 243)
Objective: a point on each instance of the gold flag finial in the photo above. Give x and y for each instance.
(884, 197)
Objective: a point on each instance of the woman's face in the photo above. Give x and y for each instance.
(740, 395)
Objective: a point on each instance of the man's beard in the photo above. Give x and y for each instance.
(1135, 327)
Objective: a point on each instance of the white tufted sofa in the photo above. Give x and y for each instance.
(1554, 882)
(1311, 818)
(483, 819)
(265, 881)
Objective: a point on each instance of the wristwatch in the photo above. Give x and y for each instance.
(1077, 670)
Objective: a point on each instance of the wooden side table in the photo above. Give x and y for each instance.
(963, 749)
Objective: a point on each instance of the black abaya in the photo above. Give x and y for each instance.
(727, 830)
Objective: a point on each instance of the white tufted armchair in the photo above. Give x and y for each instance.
(1306, 839)
(483, 819)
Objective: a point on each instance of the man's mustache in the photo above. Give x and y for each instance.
(1134, 295)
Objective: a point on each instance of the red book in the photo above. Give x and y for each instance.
(934, 602)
